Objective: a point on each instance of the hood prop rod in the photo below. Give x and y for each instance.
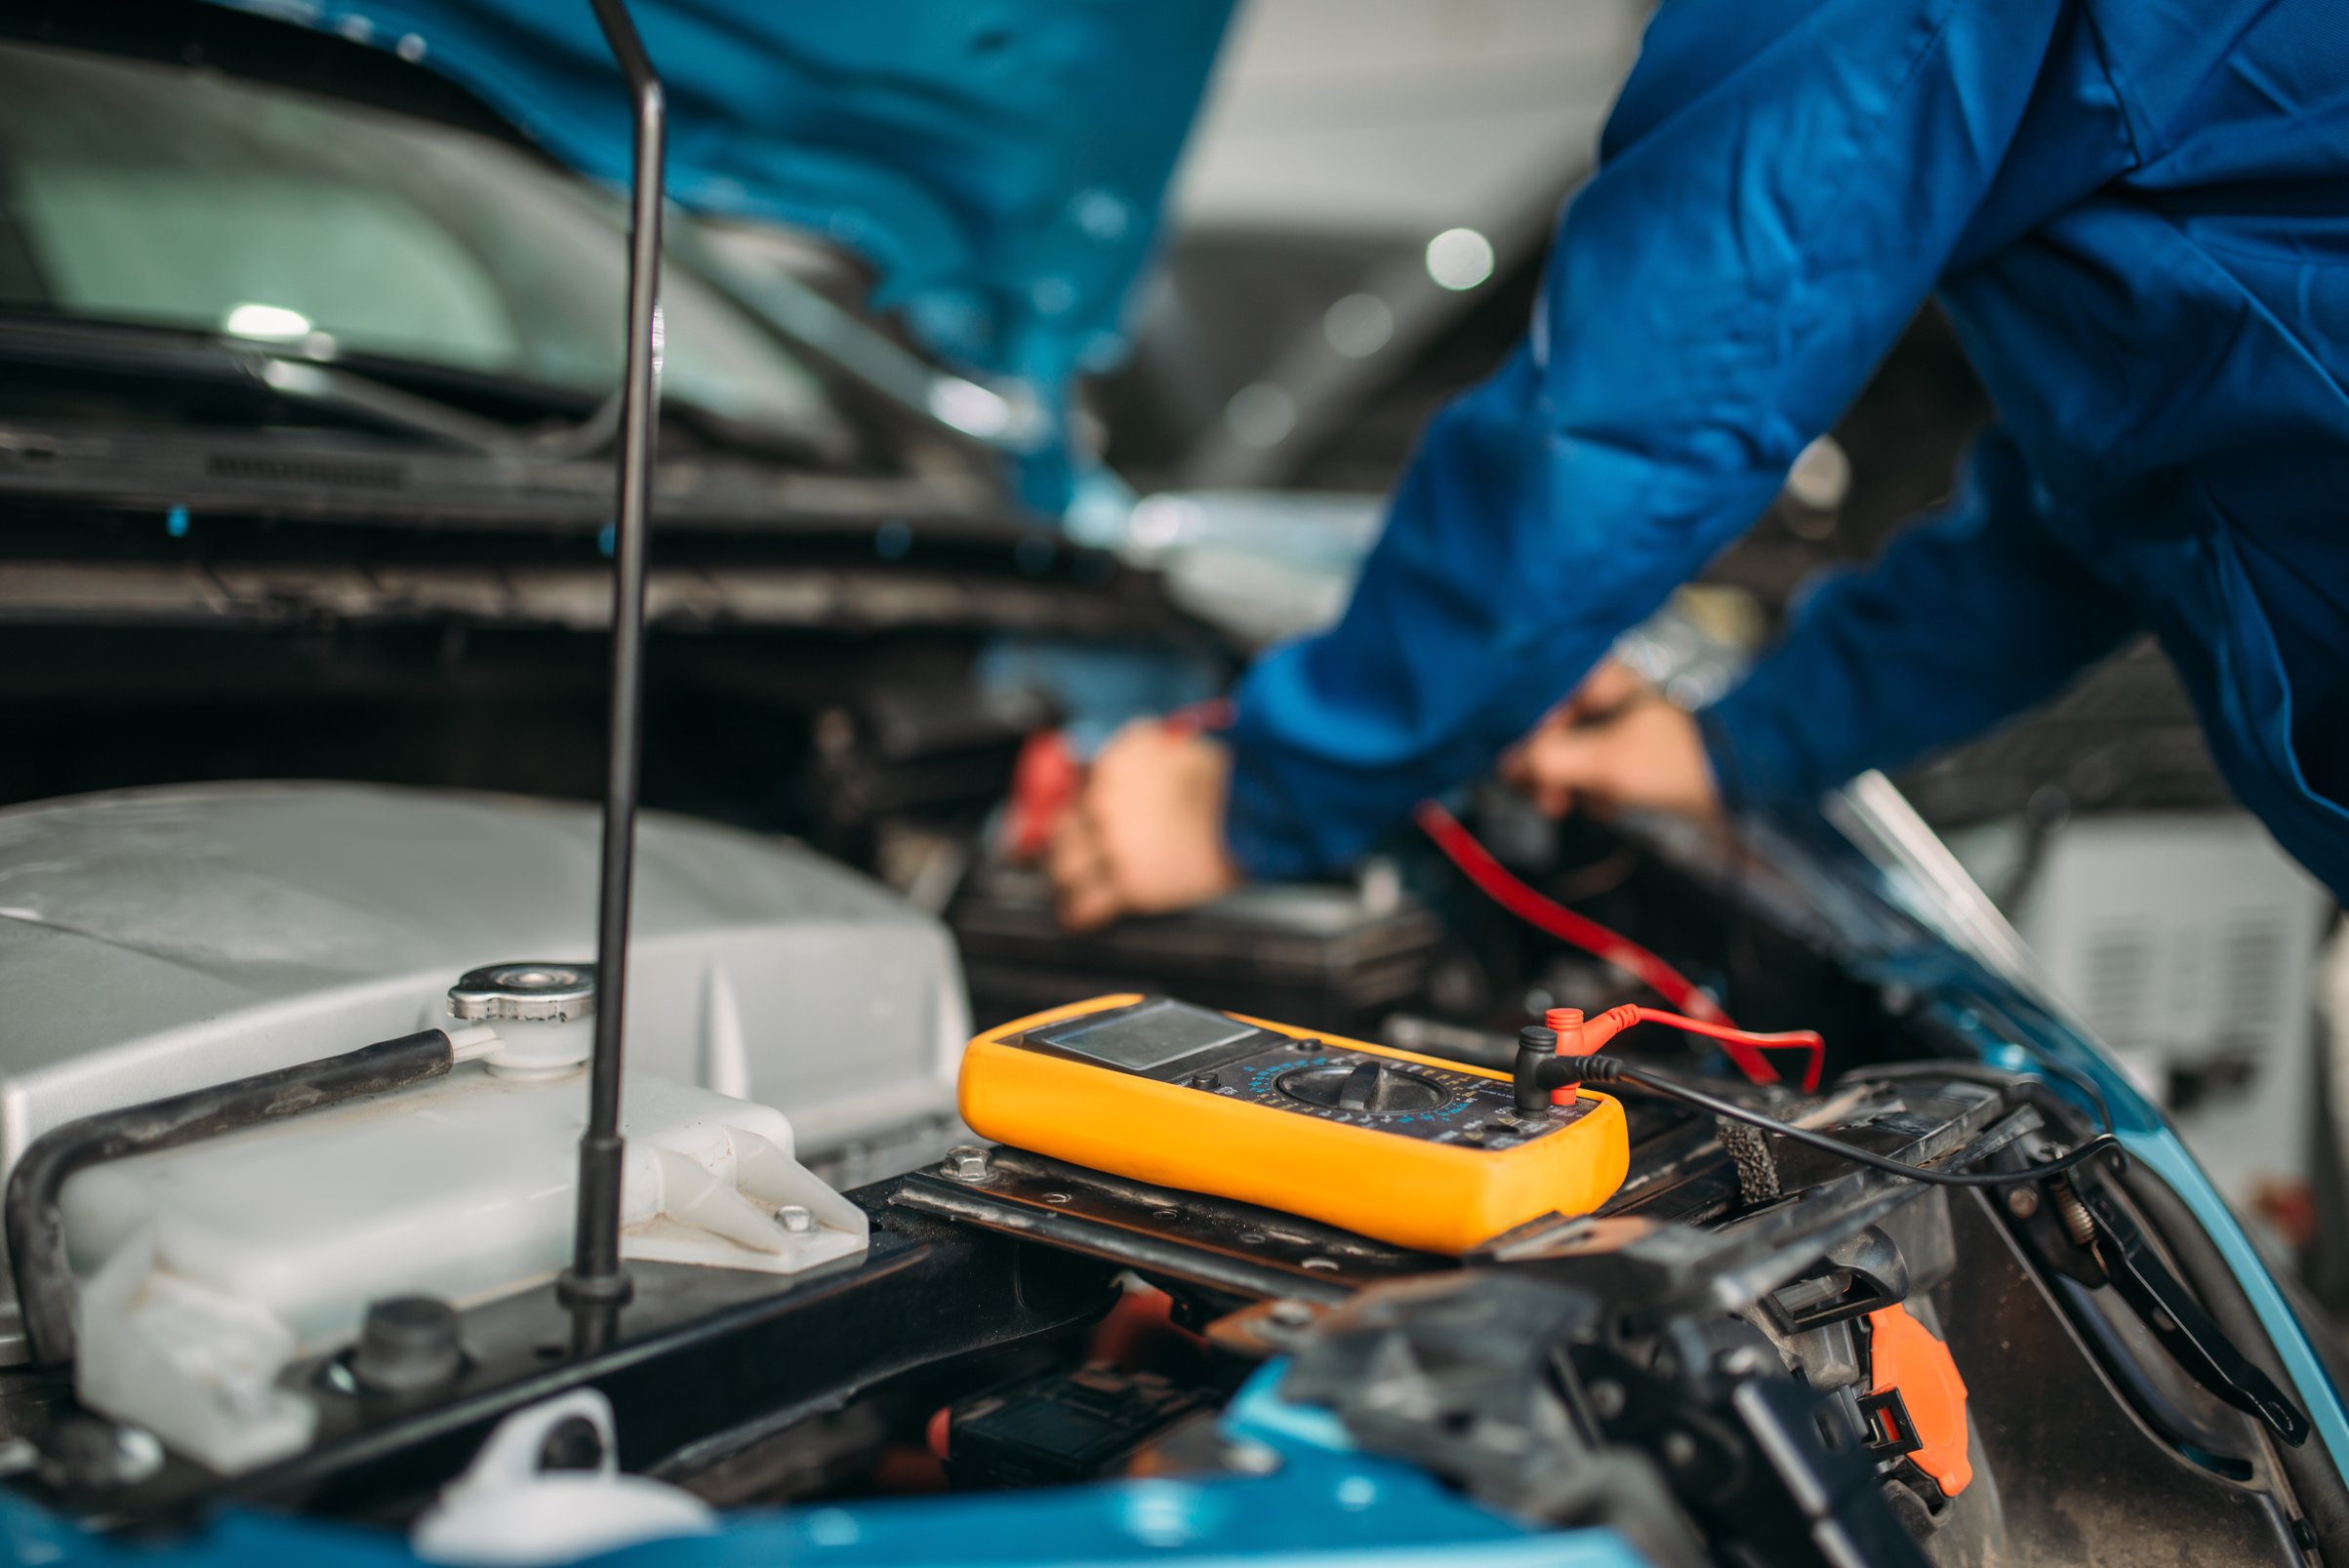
(596, 1285)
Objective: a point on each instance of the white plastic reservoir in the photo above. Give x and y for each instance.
(205, 1270)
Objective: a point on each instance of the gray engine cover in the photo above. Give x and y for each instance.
(156, 940)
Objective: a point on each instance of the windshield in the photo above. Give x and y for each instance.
(132, 192)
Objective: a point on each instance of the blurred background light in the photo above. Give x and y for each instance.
(1359, 325)
(265, 321)
(1459, 258)
(1261, 415)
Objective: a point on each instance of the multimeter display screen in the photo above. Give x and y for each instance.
(1149, 1036)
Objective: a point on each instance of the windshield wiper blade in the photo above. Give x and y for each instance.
(366, 396)
(999, 417)
(131, 351)
(348, 392)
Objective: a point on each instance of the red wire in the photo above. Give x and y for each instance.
(1745, 1046)
(1546, 913)
(1700, 1014)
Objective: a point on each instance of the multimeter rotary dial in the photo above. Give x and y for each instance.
(1370, 1088)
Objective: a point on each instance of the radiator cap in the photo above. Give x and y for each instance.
(533, 990)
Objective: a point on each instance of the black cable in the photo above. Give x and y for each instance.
(2044, 1060)
(1613, 1070)
(2077, 1079)
(2048, 1073)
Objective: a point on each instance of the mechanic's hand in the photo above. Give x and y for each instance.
(1145, 835)
(1615, 742)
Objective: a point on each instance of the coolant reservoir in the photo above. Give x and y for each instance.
(206, 1269)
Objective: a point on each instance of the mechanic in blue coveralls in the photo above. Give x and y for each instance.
(2137, 216)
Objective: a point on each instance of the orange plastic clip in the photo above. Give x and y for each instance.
(1909, 1362)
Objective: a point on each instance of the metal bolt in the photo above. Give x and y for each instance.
(408, 1344)
(967, 1162)
(1679, 1450)
(1607, 1399)
(2022, 1201)
(796, 1219)
(1289, 1314)
(85, 1452)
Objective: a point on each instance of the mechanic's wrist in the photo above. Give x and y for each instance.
(1261, 838)
(1753, 756)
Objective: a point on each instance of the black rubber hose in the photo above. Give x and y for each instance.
(36, 1233)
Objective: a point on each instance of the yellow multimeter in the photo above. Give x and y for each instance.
(1412, 1149)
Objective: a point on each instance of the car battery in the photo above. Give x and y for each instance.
(1337, 957)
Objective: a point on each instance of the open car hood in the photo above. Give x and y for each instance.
(1000, 165)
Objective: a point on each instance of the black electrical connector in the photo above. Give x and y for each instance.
(1537, 1046)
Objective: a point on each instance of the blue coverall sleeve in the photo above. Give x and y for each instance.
(1767, 216)
(1864, 680)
